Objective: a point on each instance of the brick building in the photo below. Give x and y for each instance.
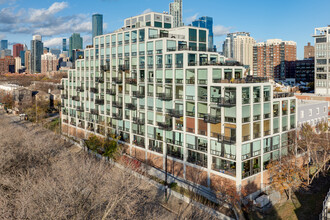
(7, 65)
(309, 51)
(268, 57)
(17, 48)
(48, 63)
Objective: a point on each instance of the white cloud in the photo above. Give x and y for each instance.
(2, 36)
(220, 30)
(54, 42)
(192, 18)
(10, 2)
(40, 15)
(147, 11)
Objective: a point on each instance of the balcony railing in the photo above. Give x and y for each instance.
(111, 91)
(105, 68)
(117, 104)
(99, 101)
(99, 79)
(131, 106)
(131, 80)
(117, 116)
(164, 96)
(165, 126)
(76, 98)
(138, 121)
(175, 113)
(117, 80)
(212, 119)
(80, 89)
(61, 87)
(226, 140)
(80, 108)
(64, 96)
(138, 94)
(94, 111)
(278, 95)
(224, 102)
(94, 90)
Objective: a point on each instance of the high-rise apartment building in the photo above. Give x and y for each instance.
(270, 57)
(239, 46)
(27, 61)
(176, 12)
(322, 60)
(22, 56)
(36, 51)
(64, 45)
(169, 100)
(206, 22)
(97, 25)
(49, 63)
(18, 64)
(309, 51)
(17, 48)
(76, 42)
(4, 45)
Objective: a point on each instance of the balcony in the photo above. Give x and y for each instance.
(80, 108)
(99, 79)
(226, 140)
(105, 68)
(117, 80)
(165, 126)
(164, 96)
(99, 101)
(124, 67)
(111, 91)
(138, 94)
(64, 96)
(117, 104)
(117, 116)
(222, 102)
(94, 112)
(138, 121)
(60, 87)
(278, 95)
(131, 106)
(80, 89)
(94, 90)
(175, 113)
(212, 119)
(76, 98)
(131, 80)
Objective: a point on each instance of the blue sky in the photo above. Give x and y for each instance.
(264, 19)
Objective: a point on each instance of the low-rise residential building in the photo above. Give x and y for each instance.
(312, 112)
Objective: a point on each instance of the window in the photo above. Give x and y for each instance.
(317, 111)
(310, 112)
(301, 114)
(192, 34)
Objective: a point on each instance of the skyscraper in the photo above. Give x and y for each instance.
(205, 22)
(176, 12)
(64, 45)
(36, 52)
(271, 58)
(76, 42)
(97, 25)
(239, 46)
(22, 56)
(4, 44)
(17, 48)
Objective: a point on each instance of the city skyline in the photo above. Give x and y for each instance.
(55, 20)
